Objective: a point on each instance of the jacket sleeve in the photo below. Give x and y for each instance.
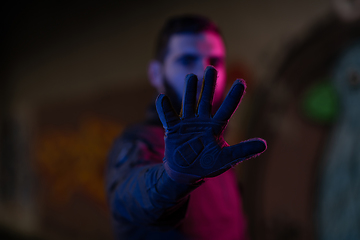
(140, 191)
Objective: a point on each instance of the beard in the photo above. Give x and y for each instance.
(176, 100)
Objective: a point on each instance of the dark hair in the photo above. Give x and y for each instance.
(182, 24)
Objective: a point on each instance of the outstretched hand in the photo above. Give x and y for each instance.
(194, 143)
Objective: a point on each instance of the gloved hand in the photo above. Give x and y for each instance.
(194, 145)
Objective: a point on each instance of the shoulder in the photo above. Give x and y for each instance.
(140, 142)
(150, 134)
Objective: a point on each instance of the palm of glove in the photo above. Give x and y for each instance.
(194, 145)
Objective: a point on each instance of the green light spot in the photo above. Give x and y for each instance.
(321, 103)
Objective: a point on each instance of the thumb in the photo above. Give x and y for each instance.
(243, 151)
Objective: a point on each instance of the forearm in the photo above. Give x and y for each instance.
(148, 197)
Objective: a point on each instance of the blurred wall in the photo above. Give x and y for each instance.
(70, 52)
(66, 50)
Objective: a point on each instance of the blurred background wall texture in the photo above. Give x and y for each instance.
(74, 73)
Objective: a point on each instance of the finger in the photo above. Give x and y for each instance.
(243, 151)
(189, 99)
(231, 102)
(166, 112)
(207, 92)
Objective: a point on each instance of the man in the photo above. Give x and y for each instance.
(182, 188)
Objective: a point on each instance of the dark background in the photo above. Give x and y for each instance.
(73, 74)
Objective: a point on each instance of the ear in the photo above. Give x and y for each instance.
(155, 74)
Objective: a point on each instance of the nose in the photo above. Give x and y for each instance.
(200, 75)
(200, 68)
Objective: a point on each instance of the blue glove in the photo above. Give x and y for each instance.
(194, 145)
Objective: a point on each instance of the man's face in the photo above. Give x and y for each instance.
(192, 53)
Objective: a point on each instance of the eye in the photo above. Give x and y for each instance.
(354, 78)
(187, 60)
(215, 61)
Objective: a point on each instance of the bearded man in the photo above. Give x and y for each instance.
(182, 186)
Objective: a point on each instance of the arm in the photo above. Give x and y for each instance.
(140, 191)
(156, 194)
